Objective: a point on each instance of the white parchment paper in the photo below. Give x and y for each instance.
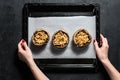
(70, 25)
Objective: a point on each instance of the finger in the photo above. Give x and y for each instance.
(106, 41)
(102, 40)
(96, 45)
(20, 46)
(24, 45)
(101, 37)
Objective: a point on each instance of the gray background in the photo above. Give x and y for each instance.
(11, 33)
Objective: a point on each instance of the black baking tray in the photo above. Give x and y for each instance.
(48, 9)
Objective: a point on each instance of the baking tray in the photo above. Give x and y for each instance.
(62, 10)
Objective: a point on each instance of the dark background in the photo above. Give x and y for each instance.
(11, 33)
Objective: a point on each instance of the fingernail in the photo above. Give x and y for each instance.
(94, 41)
(23, 40)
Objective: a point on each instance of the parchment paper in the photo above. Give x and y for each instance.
(70, 25)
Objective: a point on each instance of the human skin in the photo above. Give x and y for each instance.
(102, 54)
(25, 55)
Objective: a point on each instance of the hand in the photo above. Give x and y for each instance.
(102, 52)
(24, 52)
(25, 55)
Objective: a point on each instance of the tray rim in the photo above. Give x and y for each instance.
(25, 16)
